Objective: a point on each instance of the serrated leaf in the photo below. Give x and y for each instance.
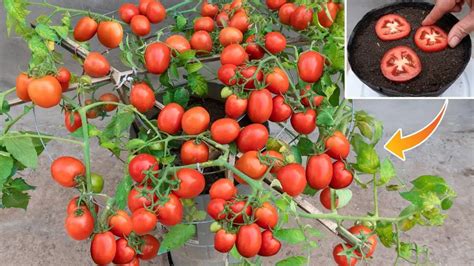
(119, 124)
(121, 192)
(22, 149)
(187, 55)
(290, 236)
(134, 144)
(305, 146)
(6, 168)
(326, 117)
(387, 172)
(177, 237)
(198, 84)
(15, 199)
(181, 96)
(293, 261)
(181, 22)
(47, 33)
(385, 233)
(193, 67)
(19, 184)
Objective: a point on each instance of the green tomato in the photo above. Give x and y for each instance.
(226, 92)
(215, 226)
(97, 183)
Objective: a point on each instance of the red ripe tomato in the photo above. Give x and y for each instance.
(140, 25)
(319, 171)
(139, 197)
(223, 189)
(277, 81)
(225, 130)
(431, 39)
(310, 66)
(103, 248)
(254, 50)
(301, 18)
(392, 27)
(91, 113)
(85, 29)
(72, 206)
(266, 216)
(109, 97)
(193, 152)
(317, 99)
(323, 18)
(260, 106)
(292, 178)
(253, 137)
(230, 35)
(127, 11)
(337, 146)
(270, 245)
(191, 183)
(143, 6)
(45, 92)
(72, 123)
(142, 97)
(143, 221)
(285, 13)
(304, 122)
(156, 12)
(234, 54)
(325, 198)
(281, 111)
(342, 177)
(365, 234)
(250, 165)
(240, 20)
(237, 211)
(249, 76)
(209, 10)
(124, 253)
(150, 247)
(277, 159)
(275, 42)
(120, 224)
(79, 224)
(140, 165)
(341, 259)
(134, 262)
(22, 82)
(110, 34)
(226, 74)
(201, 41)
(171, 213)
(275, 4)
(215, 209)
(204, 23)
(235, 107)
(178, 43)
(195, 120)
(65, 170)
(224, 241)
(63, 76)
(157, 58)
(249, 240)
(169, 119)
(96, 65)
(222, 19)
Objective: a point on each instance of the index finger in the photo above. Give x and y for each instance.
(441, 8)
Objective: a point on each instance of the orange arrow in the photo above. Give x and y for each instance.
(398, 144)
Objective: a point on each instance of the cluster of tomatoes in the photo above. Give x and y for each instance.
(346, 255)
(401, 64)
(140, 17)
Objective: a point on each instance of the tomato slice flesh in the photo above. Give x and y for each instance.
(392, 27)
(431, 39)
(400, 64)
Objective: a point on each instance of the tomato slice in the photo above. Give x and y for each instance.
(392, 27)
(400, 64)
(431, 39)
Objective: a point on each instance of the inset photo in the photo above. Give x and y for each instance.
(409, 49)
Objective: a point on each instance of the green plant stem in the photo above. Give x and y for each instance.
(10, 136)
(376, 201)
(337, 217)
(12, 122)
(172, 8)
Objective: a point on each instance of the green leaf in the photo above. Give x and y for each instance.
(335, 53)
(198, 84)
(47, 33)
(385, 233)
(293, 261)
(291, 235)
(181, 22)
(168, 97)
(62, 31)
(387, 172)
(135, 144)
(119, 124)
(6, 168)
(309, 190)
(326, 117)
(367, 157)
(344, 196)
(187, 55)
(181, 96)
(177, 237)
(305, 146)
(22, 149)
(19, 184)
(295, 156)
(121, 192)
(15, 199)
(193, 67)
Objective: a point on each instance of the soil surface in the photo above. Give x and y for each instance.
(440, 69)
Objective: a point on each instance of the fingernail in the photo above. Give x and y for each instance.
(454, 41)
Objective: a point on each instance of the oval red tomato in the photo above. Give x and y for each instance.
(215, 209)
(249, 240)
(120, 224)
(22, 82)
(431, 39)
(157, 58)
(227, 74)
(201, 41)
(325, 198)
(191, 183)
(96, 65)
(342, 177)
(233, 54)
(337, 146)
(281, 111)
(142, 97)
(143, 221)
(253, 137)
(310, 66)
(341, 259)
(319, 171)
(224, 241)
(276, 158)
(392, 27)
(323, 18)
(250, 164)
(45, 92)
(169, 118)
(293, 179)
(124, 253)
(285, 12)
(139, 197)
(110, 34)
(400, 64)
(209, 10)
(254, 50)
(225, 130)
(260, 106)
(301, 18)
(275, 4)
(270, 245)
(109, 98)
(277, 81)
(266, 216)
(204, 23)
(171, 213)
(85, 29)
(223, 189)
(141, 164)
(150, 247)
(275, 42)
(179, 43)
(195, 120)
(74, 122)
(79, 224)
(304, 122)
(127, 11)
(63, 76)
(222, 19)
(66, 169)
(143, 5)
(365, 234)
(193, 152)
(235, 107)
(140, 25)
(155, 12)
(103, 248)
(240, 20)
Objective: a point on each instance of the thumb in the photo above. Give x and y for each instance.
(441, 8)
(461, 30)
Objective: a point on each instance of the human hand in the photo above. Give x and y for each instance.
(462, 28)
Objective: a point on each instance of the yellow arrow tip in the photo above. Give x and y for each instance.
(395, 145)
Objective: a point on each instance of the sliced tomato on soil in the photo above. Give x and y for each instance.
(400, 64)
(392, 27)
(431, 39)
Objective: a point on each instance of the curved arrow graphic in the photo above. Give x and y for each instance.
(399, 144)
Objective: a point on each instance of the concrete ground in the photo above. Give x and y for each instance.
(37, 236)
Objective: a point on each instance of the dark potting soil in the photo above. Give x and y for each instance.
(440, 69)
